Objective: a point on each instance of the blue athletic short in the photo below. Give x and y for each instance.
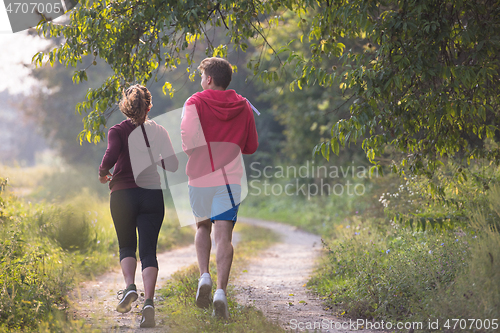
(216, 203)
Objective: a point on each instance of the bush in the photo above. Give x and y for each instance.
(33, 281)
(382, 271)
(70, 228)
(379, 273)
(476, 292)
(44, 250)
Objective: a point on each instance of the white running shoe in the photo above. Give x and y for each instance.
(204, 291)
(220, 305)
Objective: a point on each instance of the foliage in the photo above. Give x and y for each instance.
(33, 278)
(376, 268)
(3, 183)
(137, 39)
(183, 316)
(378, 271)
(43, 252)
(317, 215)
(307, 113)
(444, 200)
(480, 282)
(71, 229)
(385, 274)
(52, 108)
(425, 85)
(46, 248)
(62, 182)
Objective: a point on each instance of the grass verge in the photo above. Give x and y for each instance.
(379, 269)
(178, 310)
(47, 246)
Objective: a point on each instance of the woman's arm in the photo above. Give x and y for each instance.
(191, 133)
(169, 161)
(106, 178)
(110, 156)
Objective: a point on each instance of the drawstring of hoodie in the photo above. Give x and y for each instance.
(253, 108)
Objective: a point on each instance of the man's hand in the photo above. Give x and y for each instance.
(106, 178)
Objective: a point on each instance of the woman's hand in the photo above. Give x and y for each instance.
(106, 178)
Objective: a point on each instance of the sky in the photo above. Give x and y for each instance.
(4, 20)
(16, 51)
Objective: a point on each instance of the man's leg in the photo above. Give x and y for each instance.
(203, 244)
(223, 234)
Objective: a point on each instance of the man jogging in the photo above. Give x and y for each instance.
(217, 127)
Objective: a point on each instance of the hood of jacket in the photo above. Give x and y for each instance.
(224, 104)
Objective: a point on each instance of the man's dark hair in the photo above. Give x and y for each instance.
(219, 69)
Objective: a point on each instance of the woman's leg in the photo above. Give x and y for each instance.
(128, 265)
(124, 209)
(149, 224)
(149, 276)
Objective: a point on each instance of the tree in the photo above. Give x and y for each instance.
(425, 84)
(52, 108)
(20, 141)
(307, 114)
(138, 38)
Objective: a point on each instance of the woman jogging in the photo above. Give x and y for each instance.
(136, 206)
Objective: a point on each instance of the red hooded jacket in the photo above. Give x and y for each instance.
(217, 126)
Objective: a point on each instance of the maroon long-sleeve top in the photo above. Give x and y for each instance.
(117, 155)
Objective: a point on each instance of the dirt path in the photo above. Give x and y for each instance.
(95, 301)
(275, 282)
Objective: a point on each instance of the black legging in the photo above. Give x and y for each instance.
(142, 209)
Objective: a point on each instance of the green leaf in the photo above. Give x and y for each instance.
(167, 86)
(423, 223)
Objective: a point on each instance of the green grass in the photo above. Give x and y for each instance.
(47, 245)
(25, 177)
(34, 273)
(372, 272)
(475, 293)
(178, 310)
(373, 267)
(315, 215)
(380, 269)
(400, 275)
(60, 233)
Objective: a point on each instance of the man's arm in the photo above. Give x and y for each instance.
(252, 142)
